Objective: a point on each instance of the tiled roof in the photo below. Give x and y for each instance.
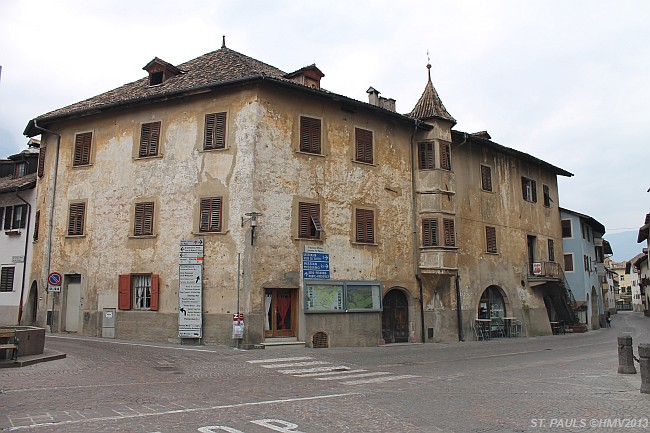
(220, 66)
(10, 183)
(430, 105)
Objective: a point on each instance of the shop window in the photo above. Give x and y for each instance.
(138, 292)
(492, 304)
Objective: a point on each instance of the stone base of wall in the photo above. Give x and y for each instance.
(8, 315)
(350, 329)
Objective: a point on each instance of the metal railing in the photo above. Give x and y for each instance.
(553, 270)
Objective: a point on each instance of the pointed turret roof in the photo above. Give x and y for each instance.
(430, 106)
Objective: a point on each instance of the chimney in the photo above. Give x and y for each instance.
(380, 101)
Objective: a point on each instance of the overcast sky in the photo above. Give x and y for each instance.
(565, 81)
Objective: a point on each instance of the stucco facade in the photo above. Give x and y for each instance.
(359, 197)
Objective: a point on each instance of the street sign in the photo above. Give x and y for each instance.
(54, 282)
(191, 252)
(314, 249)
(316, 265)
(17, 259)
(190, 317)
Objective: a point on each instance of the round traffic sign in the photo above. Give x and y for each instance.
(54, 279)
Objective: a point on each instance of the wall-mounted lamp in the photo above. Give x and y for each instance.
(252, 217)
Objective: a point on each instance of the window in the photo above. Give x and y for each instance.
(156, 78)
(450, 234)
(149, 137)
(215, 131)
(547, 196)
(143, 221)
(491, 239)
(76, 219)
(82, 144)
(551, 250)
(430, 232)
(7, 279)
(363, 140)
(365, 225)
(210, 214)
(568, 262)
(20, 169)
(486, 178)
(37, 224)
(426, 155)
(15, 217)
(584, 229)
(445, 156)
(529, 189)
(310, 135)
(41, 161)
(567, 232)
(309, 225)
(138, 292)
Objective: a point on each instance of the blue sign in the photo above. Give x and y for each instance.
(316, 266)
(54, 279)
(317, 275)
(315, 257)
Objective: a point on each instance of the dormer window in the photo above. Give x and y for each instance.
(160, 71)
(21, 169)
(308, 76)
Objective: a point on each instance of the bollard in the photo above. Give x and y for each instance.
(625, 355)
(644, 366)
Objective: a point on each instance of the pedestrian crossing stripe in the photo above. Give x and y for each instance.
(264, 361)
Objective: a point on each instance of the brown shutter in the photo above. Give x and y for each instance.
(155, 283)
(144, 213)
(363, 145)
(124, 292)
(445, 156)
(41, 161)
(308, 215)
(303, 220)
(486, 178)
(365, 226)
(491, 239)
(430, 232)
(82, 149)
(149, 137)
(533, 186)
(215, 131)
(310, 134)
(8, 217)
(210, 214)
(426, 155)
(37, 224)
(76, 219)
(450, 235)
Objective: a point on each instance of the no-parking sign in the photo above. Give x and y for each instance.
(54, 282)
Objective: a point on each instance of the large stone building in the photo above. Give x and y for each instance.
(225, 185)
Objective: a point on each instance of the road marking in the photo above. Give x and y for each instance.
(296, 364)
(372, 373)
(331, 373)
(331, 368)
(180, 411)
(378, 379)
(295, 358)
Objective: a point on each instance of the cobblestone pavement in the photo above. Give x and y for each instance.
(556, 383)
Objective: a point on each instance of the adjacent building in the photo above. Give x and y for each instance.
(645, 282)
(226, 190)
(584, 264)
(17, 221)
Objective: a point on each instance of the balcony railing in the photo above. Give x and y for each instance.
(546, 270)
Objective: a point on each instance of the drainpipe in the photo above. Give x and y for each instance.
(50, 222)
(416, 249)
(22, 287)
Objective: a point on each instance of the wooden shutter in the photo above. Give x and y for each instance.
(155, 284)
(430, 232)
(426, 155)
(143, 224)
(22, 223)
(124, 292)
(486, 178)
(215, 131)
(551, 250)
(363, 139)
(41, 161)
(445, 156)
(533, 187)
(210, 214)
(547, 195)
(308, 213)
(491, 239)
(310, 135)
(37, 224)
(82, 149)
(450, 235)
(7, 279)
(365, 223)
(149, 138)
(76, 219)
(9, 214)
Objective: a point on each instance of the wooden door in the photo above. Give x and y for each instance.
(281, 312)
(395, 318)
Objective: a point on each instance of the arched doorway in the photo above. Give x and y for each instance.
(492, 304)
(395, 317)
(30, 310)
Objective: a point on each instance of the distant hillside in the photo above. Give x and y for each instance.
(624, 245)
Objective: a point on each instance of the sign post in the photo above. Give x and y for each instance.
(190, 290)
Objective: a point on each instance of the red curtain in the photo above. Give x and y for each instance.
(284, 303)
